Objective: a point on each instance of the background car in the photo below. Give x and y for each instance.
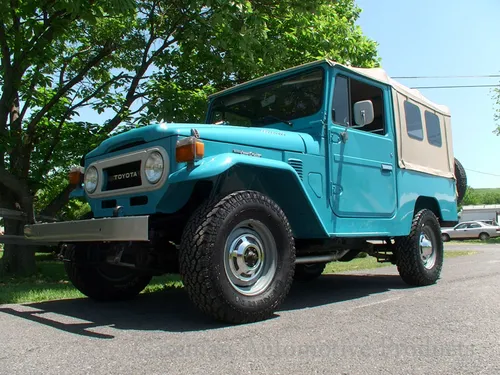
(489, 222)
(469, 230)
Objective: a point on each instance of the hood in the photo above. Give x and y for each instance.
(260, 137)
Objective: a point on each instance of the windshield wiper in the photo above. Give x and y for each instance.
(271, 117)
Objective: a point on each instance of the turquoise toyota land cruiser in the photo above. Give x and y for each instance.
(290, 171)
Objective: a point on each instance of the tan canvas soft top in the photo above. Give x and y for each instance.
(417, 154)
(379, 74)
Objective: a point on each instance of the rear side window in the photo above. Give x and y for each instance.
(433, 129)
(413, 121)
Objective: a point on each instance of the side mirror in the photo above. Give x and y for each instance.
(363, 113)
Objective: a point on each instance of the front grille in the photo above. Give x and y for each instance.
(122, 176)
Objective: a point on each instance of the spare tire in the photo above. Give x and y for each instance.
(461, 181)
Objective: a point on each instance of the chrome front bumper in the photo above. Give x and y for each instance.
(128, 228)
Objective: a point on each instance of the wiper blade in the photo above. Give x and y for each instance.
(271, 117)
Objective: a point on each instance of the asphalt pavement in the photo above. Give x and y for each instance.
(366, 322)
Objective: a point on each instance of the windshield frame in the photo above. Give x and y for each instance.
(274, 81)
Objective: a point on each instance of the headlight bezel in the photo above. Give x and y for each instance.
(86, 177)
(159, 177)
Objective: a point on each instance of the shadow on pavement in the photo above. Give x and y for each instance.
(171, 310)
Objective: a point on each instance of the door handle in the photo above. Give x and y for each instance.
(386, 168)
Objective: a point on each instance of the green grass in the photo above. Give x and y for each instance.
(476, 242)
(370, 262)
(354, 265)
(454, 254)
(51, 283)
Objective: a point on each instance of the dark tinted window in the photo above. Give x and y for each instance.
(413, 121)
(340, 112)
(361, 91)
(286, 99)
(433, 129)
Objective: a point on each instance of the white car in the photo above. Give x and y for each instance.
(470, 230)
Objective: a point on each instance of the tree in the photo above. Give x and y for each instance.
(136, 61)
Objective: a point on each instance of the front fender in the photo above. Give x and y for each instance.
(274, 178)
(216, 165)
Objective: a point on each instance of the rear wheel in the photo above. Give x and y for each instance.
(237, 257)
(99, 280)
(308, 272)
(484, 236)
(420, 254)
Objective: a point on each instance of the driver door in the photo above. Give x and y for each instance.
(362, 162)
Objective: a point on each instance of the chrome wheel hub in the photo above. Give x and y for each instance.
(250, 257)
(427, 246)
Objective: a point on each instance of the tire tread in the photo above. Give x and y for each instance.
(197, 246)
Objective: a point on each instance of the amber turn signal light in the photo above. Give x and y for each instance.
(75, 176)
(189, 150)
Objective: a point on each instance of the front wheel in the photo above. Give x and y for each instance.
(237, 257)
(99, 280)
(420, 254)
(445, 237)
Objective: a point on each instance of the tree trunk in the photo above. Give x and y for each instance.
(19, 260)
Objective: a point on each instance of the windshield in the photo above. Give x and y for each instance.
(283, 100)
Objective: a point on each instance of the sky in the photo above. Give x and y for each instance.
(443, 38)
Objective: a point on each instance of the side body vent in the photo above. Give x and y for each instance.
(297, 165)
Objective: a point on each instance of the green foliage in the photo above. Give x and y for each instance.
(481, 196)
(233, 42)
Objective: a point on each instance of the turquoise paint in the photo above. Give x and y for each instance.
(344, 191)
(360, 187)
(316, 183)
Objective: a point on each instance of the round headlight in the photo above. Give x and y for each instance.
(90, 179)
(154, 167)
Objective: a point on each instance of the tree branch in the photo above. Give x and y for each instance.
(105, 51)
(16, 25)
(57, 136)
(31, 89)
(8, 80)
(131, 92)
(58, 203)
(66, 63)
(5, 48)
(46, 34)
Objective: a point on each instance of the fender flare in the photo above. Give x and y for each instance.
(214, 166)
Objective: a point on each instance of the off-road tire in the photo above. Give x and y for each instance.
(409, 260)
(484, 236)
(308, 272)
(95, 281)
(461, 181)
(203, 248)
